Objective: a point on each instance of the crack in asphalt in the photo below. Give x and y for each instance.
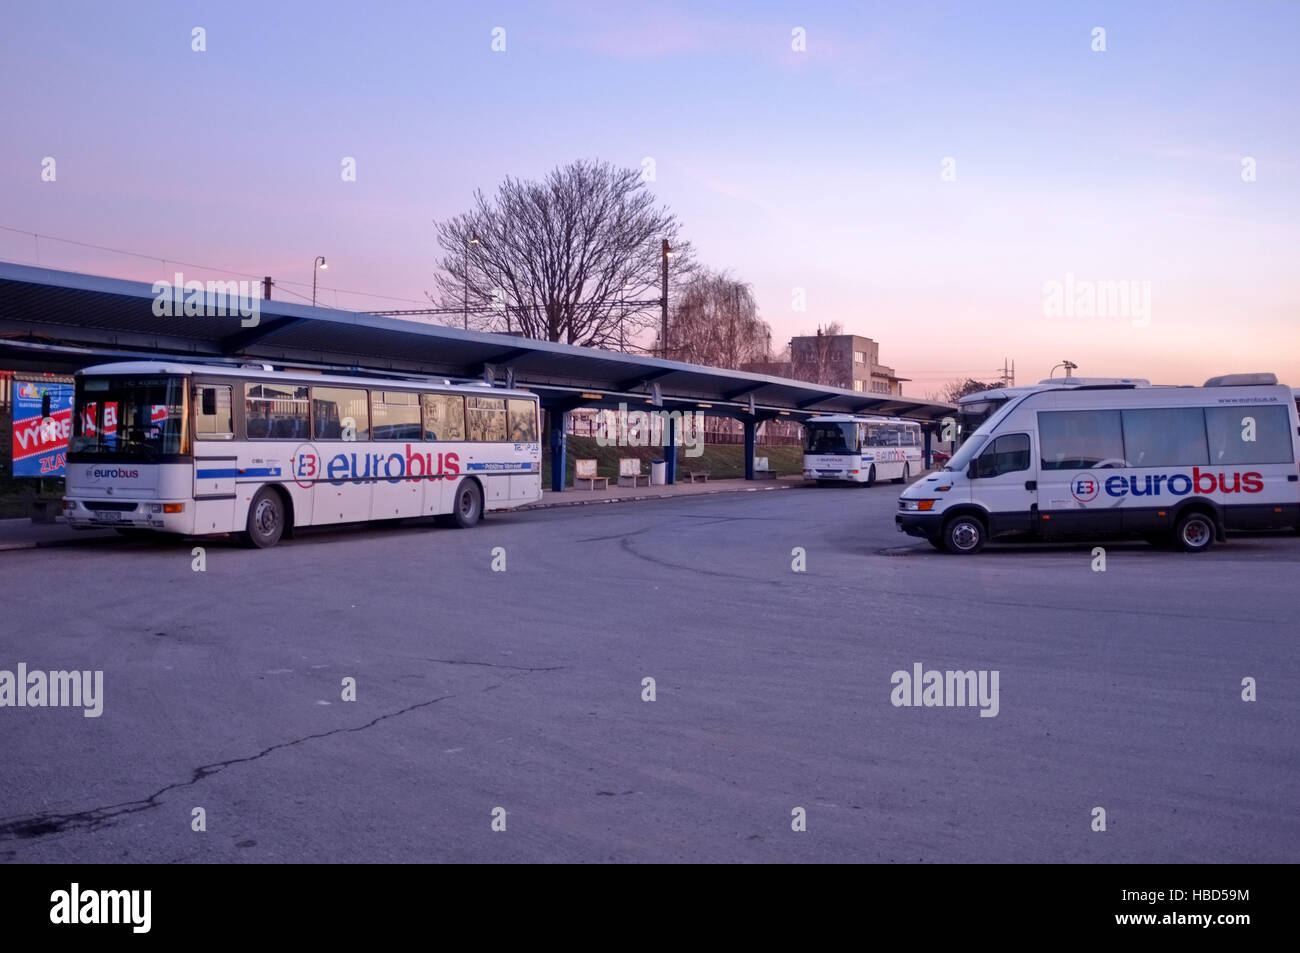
(517, 668)
(31, 826)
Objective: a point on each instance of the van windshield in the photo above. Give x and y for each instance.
(962, 458)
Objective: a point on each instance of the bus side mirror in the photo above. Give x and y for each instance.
(209, 401)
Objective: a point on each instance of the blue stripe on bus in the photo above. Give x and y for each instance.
(233, 472)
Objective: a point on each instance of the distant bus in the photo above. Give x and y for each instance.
(1179, 464)
(843, 447)
(195, 449)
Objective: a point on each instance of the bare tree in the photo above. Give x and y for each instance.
(560, 259)
(955, 390)
(715, 321)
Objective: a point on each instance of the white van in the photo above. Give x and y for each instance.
(1187, 463)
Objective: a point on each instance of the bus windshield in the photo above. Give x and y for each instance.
(830, 438)
(129, 418)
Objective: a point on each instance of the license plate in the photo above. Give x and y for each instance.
(108, 516)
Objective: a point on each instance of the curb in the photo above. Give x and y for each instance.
(658, 496)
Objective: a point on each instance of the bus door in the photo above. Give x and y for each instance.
(1005, 483)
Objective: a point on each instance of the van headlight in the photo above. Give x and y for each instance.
(916, 505)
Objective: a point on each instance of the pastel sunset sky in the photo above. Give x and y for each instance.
(819, 170)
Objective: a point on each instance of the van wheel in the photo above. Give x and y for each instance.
(1194, 533)
(871, 476)
(468, 508)
(964, 535)
(907, 472)
(265, 519)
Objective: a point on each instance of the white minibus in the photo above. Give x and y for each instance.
(1186, 464)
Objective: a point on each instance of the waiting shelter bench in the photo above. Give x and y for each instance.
(584, 471)
(629, 472)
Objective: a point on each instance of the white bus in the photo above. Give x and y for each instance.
(860, 449)
(195, 449)
(1181, 463)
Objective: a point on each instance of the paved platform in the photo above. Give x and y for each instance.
(27, 534)
(626, 494)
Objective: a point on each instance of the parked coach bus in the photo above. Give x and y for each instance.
(1180, 463)
(194, 449)
(861, 449)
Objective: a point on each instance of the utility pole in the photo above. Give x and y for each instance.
(1008, 373)
(663, 300)
(266, 288)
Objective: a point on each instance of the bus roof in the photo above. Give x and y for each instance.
(1060, 383)
(856, 418)
(258, 372)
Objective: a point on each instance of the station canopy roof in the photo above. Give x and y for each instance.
(58, 321)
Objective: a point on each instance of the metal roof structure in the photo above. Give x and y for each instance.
(59, 321)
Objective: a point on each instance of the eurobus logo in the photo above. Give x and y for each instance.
(1180, 484)
(1084, 487)
(114, 474)
(309, 467)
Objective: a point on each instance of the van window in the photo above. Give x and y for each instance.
(1230, 431)
(1165, 437)
(1008, 454)
(1080, 439)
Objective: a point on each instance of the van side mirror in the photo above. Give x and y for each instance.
(971, 472)
(45, 405)
(209, 401)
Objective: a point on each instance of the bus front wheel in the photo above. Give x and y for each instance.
(871, 475)
(468, 508)
(265, 519)
(964, 535)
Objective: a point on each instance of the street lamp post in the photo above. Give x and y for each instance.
(1068, 365)
(318, 263)
(468, 242)
(663, 300)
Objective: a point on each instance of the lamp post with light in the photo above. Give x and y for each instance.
(318, 263)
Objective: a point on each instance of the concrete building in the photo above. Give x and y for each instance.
(837, 360)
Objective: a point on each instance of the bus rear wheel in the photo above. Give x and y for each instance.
(265, 519)
(468, 507)
(1194, 533)
(907, 472)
